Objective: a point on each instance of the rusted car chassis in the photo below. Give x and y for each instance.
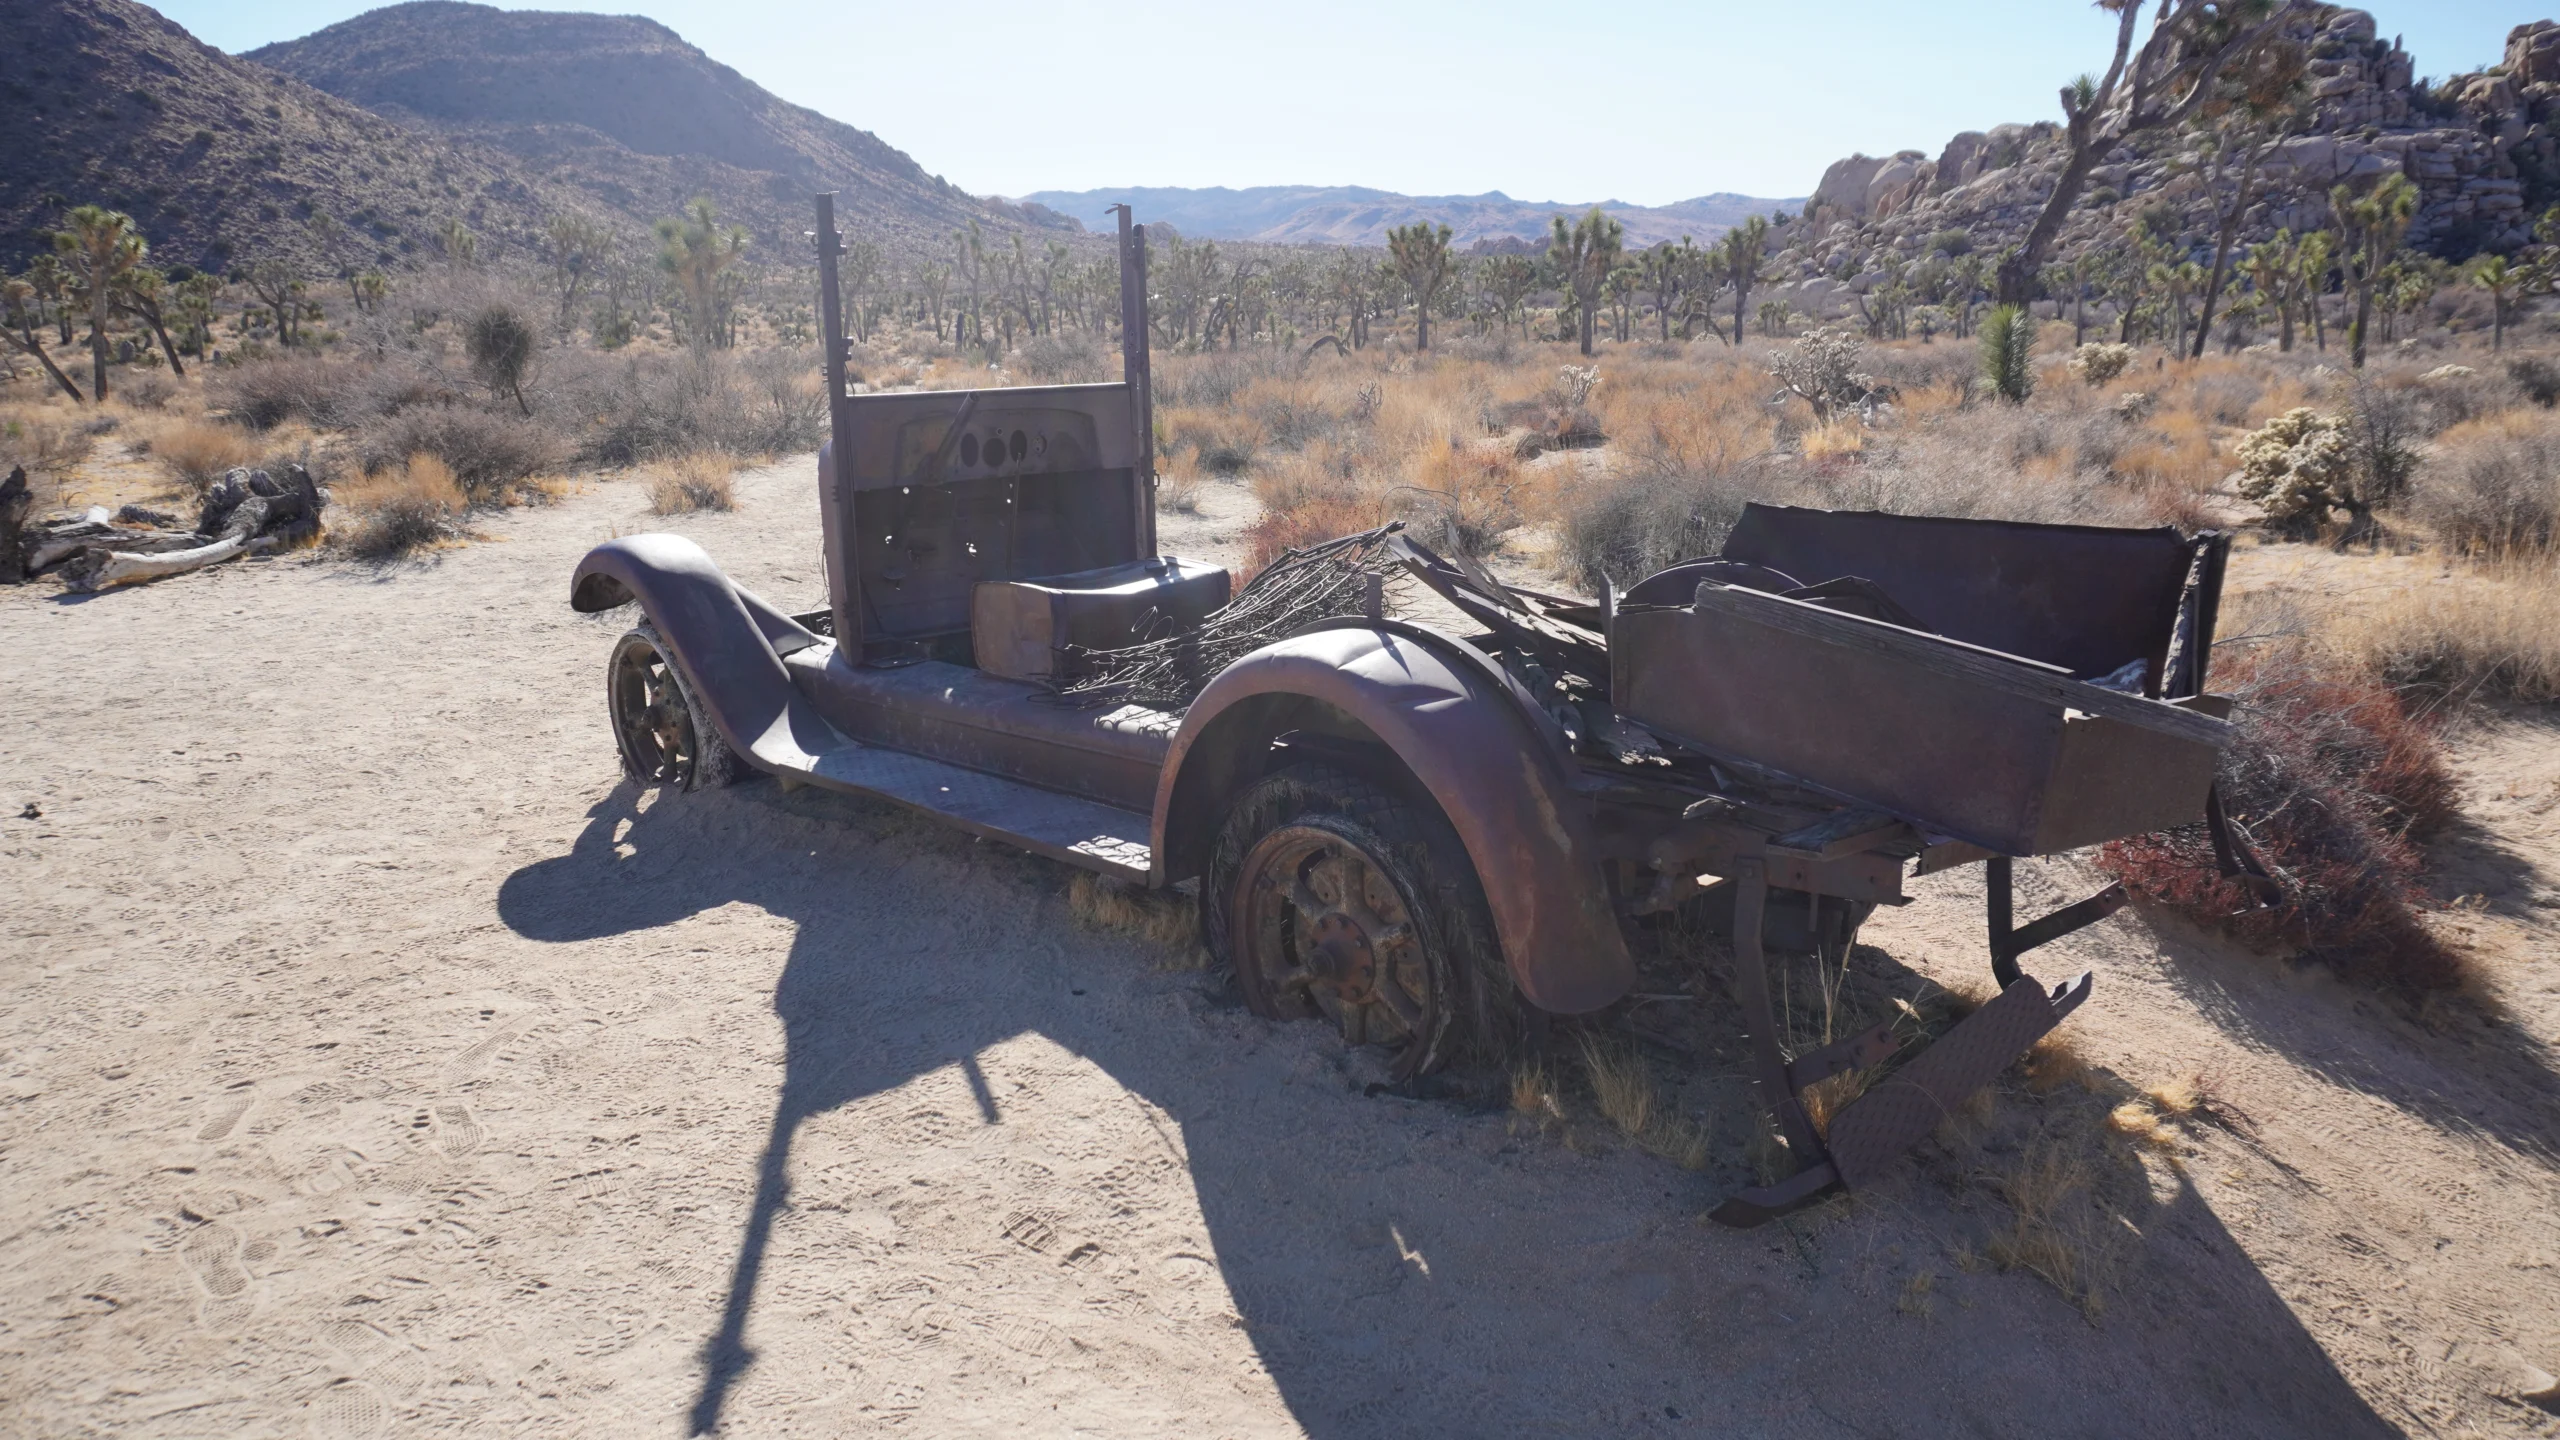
(1413, 831)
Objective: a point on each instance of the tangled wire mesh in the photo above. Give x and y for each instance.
(1320, 582)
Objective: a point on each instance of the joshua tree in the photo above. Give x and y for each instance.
(501, 349)
(694, 248)
(140, 298)
(2009, 350)
(52, 285)
(577, 245)
(1584, 254)
(2494, 274)
(1738, 257)
(460, 246)
(1420, 253)
(2176, 71)
(100, 250)
(20, 298)
(1665, 269)
(1508, 280)
(2370, 226)
(280, 290)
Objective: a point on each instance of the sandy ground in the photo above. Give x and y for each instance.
(373, 1060)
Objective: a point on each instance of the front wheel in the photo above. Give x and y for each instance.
(664, 736)
(1331, 898)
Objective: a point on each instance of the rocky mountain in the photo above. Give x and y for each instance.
(221, 160)
(2483, 149)
(624, 110)
(1354, 215)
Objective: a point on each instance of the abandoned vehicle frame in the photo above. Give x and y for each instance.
(1423, 835)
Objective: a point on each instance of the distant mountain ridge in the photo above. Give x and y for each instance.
(1357, 215)
(626, 110)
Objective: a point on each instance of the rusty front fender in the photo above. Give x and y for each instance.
(1447, 714)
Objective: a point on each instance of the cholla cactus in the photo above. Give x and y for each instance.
(1576, 382)
(2100, 361)
(2297, 468)
(1821, 369)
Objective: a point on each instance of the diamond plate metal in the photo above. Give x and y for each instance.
(1900, 1112)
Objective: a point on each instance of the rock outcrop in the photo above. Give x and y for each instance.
(2484, 151)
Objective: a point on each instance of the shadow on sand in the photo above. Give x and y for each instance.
(1564, 1293)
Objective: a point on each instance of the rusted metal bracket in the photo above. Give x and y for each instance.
(2009, 941)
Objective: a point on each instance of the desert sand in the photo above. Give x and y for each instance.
(374, 1060)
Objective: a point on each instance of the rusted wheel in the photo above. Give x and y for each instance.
(664, 737)
(1331, 898)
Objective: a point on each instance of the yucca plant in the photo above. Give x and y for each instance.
(2008, 351)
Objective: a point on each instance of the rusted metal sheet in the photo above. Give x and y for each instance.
(1503, 789)
(1898, 1113)
(2010, 754)
(2084, 597)
(1017, 628)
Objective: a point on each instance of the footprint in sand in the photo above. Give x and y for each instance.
(457, 1133)
(226, 1113)
(212, 1254)
(348, 1408)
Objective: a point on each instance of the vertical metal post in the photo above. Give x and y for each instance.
(1997, 908)
(1135, 373)
(835, 502)
(1751, 987)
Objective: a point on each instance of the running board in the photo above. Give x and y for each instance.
(1083, 833)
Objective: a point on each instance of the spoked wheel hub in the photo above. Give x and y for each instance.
(1324, 931)
(651, 720)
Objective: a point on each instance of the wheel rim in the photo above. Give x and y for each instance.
(1323, 931)
(650, 719)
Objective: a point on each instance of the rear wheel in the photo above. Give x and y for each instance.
(664, 736)
(1333, 899)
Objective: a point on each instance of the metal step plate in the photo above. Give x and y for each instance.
(1901, 1111)
(1080, 832)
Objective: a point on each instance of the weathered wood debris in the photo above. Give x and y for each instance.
(244, 512)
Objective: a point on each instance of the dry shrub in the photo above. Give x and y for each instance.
(1178, 489)
(1623, 1085)
(199, 452)
(703, 480)
(492, 455)
(1161, 917)
(2334, 784)
(2492, 487)
(147, 390)
(2485, 633)
(401, 508)
(1310, 497)
(1468, 493)
(43, 440)
(331, 391)
(1063, 357)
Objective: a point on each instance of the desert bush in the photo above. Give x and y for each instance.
(2297, 468)
(1631, 525)
(491, 455)
(703, 480)
(399, 508)
(1311, 496)
(47, 443)
(2225, 394)
(2492, 485)
(2537, 378)
(1822, 370)
(147, 390)
(2100, 361)
(1063, 357)
(2334, 784)
(198, 452)
(640, 407)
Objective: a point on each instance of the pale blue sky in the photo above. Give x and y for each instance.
(1645, 101)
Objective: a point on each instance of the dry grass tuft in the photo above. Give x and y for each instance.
(1161, 917)
(2485, 632)
(199, 452)
(1533, 1093)
(2052, 1233)
(397, 511)
(1915, 1301)
(2178, 1097)
(2137, 1121)
(1623, 1085)
(701, 480)
(2055, 1061)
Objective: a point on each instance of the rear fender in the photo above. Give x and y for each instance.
(1467, 739)
(728, 643)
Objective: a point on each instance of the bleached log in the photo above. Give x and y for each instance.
(98, 567)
